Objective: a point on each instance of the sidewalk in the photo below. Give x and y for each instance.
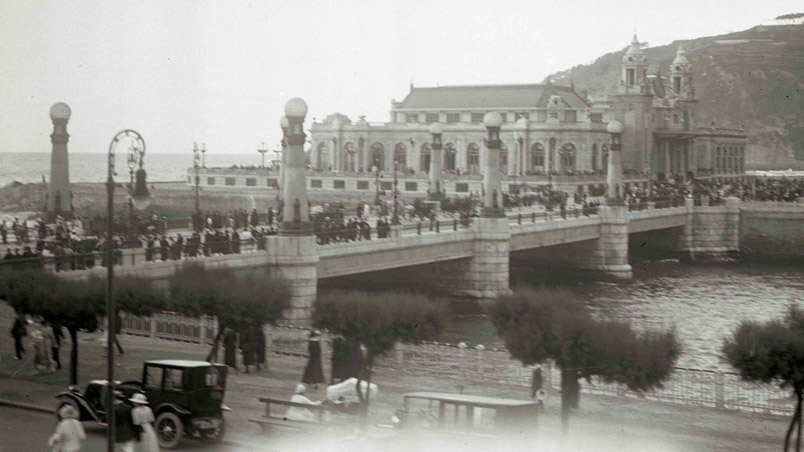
(600, 420)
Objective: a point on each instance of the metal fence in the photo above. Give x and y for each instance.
(479, 365)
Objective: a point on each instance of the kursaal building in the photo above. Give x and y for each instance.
(546, 128)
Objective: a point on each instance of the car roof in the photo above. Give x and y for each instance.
(479, 401)
(181, 363)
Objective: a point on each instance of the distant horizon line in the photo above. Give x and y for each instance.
(105, 153)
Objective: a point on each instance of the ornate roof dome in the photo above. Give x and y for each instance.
(634, 54)
(681, 57)
(60, 111)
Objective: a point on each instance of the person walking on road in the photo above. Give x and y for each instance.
(70, 433)
(125, 432)
(313, 373)
(18, 331)
(142, 416)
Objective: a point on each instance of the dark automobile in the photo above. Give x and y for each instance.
(185, 396)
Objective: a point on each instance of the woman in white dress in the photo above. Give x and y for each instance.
(142, 415)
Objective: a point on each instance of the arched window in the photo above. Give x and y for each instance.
(568, 157)
(537, 156)
(503, 159)
(450, 157)
(424, 157)
(322, 157)
(401, 156)
(605, 157)
(594, 156)
(473, 158)
(378, 156)
(349, 155)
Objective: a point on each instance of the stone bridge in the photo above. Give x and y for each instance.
(483, 247)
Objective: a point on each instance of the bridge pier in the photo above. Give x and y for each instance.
(610, 252)
(711, 230)
(487, 276)
(294, 259)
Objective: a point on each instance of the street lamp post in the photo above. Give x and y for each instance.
(614, 175)
(395, 216)
(196, 165)
(139, 198)
(204, 155)
(436, 130)
(262, 151)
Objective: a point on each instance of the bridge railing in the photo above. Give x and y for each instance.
(127, 257)
(542, 216)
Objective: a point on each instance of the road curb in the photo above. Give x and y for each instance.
(40, 409)
(26, 406)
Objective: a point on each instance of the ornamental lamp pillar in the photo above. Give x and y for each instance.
(436, 161)
(295, 213)
(59, 201)
(614, 189)
(492, 196)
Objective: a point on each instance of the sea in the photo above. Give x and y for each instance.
(91, 167)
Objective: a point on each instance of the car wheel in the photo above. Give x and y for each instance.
(65, 402)
(169, 429)
(215, 434)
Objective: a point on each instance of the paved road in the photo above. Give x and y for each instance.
(28, 431)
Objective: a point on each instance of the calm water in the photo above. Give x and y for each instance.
(91, 167)
(703, 302)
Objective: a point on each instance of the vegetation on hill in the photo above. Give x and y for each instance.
(753, 78)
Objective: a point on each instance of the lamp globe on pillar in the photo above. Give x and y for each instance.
(492, 195)
(436, 159)
(295, 210)
(614, 193)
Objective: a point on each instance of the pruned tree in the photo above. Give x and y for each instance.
(237, 301)
(772, 352)
(378, 321)
(75, 305)
(541, 325)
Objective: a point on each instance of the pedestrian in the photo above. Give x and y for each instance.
(247, 347)
(260, 350)
(229, 341)
(143, 417)
(118, 329)
(70, 433)
(42, 352)
(18, 331)
(51, 335)
(537, 393)
(313, 373)
(125, 432)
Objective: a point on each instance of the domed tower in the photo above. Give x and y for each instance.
(681, 75)
(59, 201)
(635, 67)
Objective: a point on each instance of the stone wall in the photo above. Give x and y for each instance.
(772, 229)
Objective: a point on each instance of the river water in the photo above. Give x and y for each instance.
(703, 302)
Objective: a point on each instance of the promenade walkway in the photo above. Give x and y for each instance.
(602, 423)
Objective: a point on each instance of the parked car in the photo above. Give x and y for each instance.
(185, 396)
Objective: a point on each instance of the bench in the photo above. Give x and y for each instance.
(268, 419)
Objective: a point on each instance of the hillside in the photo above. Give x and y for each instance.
(753, 77)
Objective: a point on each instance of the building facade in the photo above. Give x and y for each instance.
(547, 128)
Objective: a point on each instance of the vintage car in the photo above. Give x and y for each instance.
(185, 396)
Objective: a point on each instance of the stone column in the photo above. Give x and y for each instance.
(493, 196)
(436, 161)
(610, 252)
(293, 254)
(59, 201)
(487, 274)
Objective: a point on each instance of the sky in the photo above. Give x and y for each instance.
(220, 72)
